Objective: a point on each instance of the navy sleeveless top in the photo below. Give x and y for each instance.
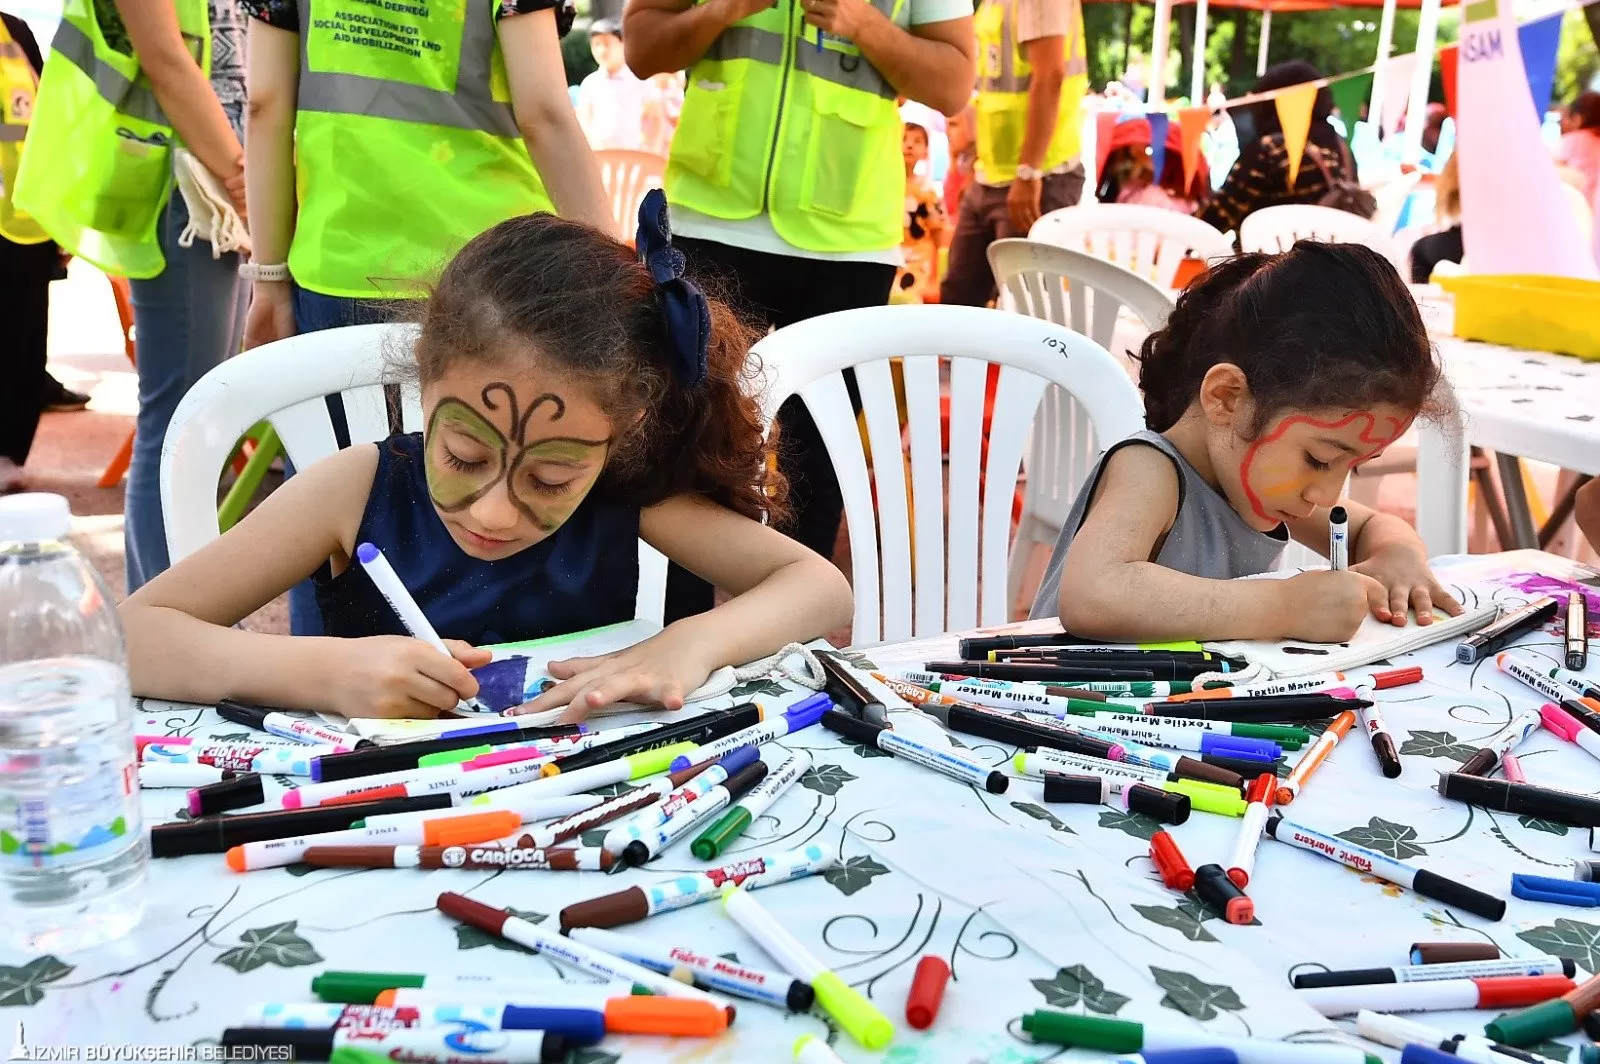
(586, 574)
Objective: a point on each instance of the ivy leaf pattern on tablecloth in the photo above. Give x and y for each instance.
(279, 944)
(730, 956)
(1396, 840)
(299, 868)
(469, 937)
(1533, 823)
(855, 873)
(1039, 812)
(20, 987)
(1078, 985)
(592, 1055)
(865, 750)
(613, 790)
(233, 737)
(825, 779)
(764, 685)
(1136, 824)
(1193, 997)
(594, 836)
(856, 660)
(1572, 939)
(1437, 744)
(1181, 918)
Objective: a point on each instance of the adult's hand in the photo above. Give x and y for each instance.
(271, 314)
(1022, 203)
(841, 18)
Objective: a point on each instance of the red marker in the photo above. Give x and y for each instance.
(1439, 995)
(927, 992)
(1255, 818)
(1170, 862)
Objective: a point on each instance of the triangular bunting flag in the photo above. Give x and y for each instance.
(1104, 123)
(1397, 91)
(1448, 58)
(1158, 142)
(1348, 97)
(1539, 41)
(1192, 123)
(1294, 106)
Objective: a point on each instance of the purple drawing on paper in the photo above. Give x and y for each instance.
(1535, 584)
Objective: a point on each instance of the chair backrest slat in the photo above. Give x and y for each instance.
(921, 373)
(1273, 229)
(1148, 241)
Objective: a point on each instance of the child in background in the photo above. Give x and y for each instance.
(576, 400)
(926, 230)
(615, 108)
(1273, 378)
(961, 132)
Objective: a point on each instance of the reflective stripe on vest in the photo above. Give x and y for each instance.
(1010, 79)
(764, 46)
(1005, 78)
(472, 106)
(133, 98)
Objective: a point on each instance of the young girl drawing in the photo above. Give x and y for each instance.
(575, 400)
(1275, 376)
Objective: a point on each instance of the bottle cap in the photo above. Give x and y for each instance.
(34, 517)
(1166, 807)
(360, 988)
(927, 992)
(1084, 1032)
(1069, 787)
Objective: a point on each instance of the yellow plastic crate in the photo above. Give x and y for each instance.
(1540, 313)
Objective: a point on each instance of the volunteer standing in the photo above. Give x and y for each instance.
(122, 86)
(785, 177)
(1032, 76)
(383, 138)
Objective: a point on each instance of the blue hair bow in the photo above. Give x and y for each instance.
(683, 306)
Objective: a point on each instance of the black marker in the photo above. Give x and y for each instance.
(1546, 803)
(946, 761)
(1009, 670)
(850, 693)
(1506, 630)
(1258, 708)
(1577, 631)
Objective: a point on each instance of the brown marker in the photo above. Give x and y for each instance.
(506, 854)
(1191, 768)
(1450, 952)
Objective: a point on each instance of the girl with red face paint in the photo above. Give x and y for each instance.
(1275, 376)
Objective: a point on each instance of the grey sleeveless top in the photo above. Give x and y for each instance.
(1208, 536)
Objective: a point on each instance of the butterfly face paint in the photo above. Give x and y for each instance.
(472, 450)
(1297, 453)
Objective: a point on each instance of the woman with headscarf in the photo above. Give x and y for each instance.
(1260, 176)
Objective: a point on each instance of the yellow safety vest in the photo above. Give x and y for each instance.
(1004, 75)
(18, 87)
(98, 166)
(406, 145)
(811, 135)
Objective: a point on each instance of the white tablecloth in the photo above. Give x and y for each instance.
(1031, 905)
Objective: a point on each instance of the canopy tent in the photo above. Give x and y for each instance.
(1422, 73)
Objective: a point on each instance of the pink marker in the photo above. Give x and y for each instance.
(1512, 769)
(1569, 728)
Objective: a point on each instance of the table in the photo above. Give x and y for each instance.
(1517, 403)
(1032, 905)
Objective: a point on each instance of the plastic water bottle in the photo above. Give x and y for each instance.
(72, 855)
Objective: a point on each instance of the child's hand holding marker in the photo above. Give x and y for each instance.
(396, 676)
(1327, 606)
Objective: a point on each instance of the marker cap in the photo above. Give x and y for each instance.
(1084, 1032)
(1211, 882)
(1396, 677)
(654, 762)
(665, 1015)
(1170, 862)
(1526, 1027)
(1282, 734)
(1189, 768)
(454, 757)
(582, 1026)
(1246, 768)
(709, 843)
(237, 793)
(1163, 806)
(1190, 1055)
(1416, 1053)
(927, 992)
(819, 698)
(858, 1016)
(1209, 798)
(1448, 952)
(1069, 787)
(1239, 746)
(361, 988)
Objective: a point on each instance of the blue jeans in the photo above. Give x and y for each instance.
(314, 312)
(189, 318)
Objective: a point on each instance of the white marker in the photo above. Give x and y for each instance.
(1514, 734)
(1338, 539)
(1119, 773)
(643, 824)
(1397, 1032)
(266, 760)
(810, 1049)
(387, 581)
(1243, 861)
(1533, 675)
(715, 973)
(532, 810)
(1441, 995)
(177, 774)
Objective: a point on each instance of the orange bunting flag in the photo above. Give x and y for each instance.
(1294, 106)
(1192, 122)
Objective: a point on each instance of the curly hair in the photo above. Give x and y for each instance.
(578, 300)
(1319, 325)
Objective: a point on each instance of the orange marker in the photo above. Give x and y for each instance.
(443, 830)
(665, 1015)
(1315, 754)
(917, 696)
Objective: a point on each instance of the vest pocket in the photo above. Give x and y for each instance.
(1001, 125)
(136, 172)
(704, 141)
(842, 131)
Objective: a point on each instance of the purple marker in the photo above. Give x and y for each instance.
(765, 732)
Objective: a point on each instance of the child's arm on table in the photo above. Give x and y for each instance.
(1389, 550)
(181, 643)
(783, 593)
(1110, 589)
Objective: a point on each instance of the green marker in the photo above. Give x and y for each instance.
(1122, 1036)
(1284, 735)
(714, 839)
(453, 757)
(1535, 1024)
(363, 988)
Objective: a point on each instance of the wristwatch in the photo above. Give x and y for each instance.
(254, 271)
(1029, 173)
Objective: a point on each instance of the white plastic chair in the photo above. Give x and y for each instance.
(1274, 229)
(1148, 241)
(901, 566)
(1086, 294)
(626, 176)
(285, 383)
